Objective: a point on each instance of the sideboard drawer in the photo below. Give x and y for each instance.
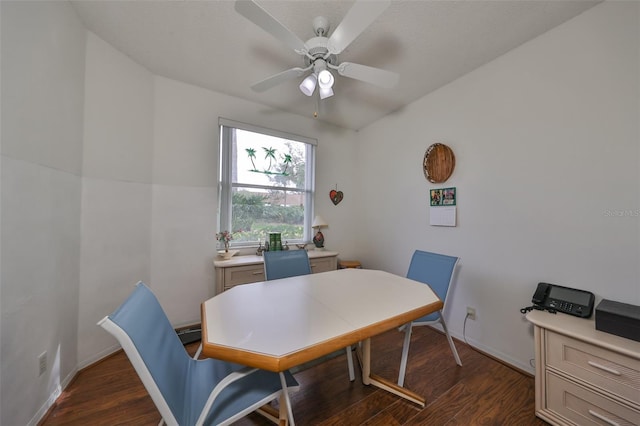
(250, 269)
(243, 275)
(323, 264)
(585, 407)
(613, 372)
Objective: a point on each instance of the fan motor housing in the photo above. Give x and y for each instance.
(318, 49)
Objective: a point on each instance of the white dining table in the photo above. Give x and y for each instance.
(276, 325)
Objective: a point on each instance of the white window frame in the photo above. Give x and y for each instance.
(225, 184)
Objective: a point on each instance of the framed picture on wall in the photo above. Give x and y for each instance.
(442, 197)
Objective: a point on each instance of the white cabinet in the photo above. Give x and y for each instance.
(250, 269)
(584, 376)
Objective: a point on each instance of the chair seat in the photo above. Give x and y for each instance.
(207, 373)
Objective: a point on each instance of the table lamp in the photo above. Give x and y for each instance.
(318, 238)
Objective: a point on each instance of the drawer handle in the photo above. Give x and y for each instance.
(257, 273)
(604, 418)
(602, 367)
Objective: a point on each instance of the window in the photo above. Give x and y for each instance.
(266, 184)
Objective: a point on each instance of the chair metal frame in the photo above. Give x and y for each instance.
(440, 282)
(277, 384)
(291, 263)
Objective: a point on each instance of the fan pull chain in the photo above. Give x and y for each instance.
(315, 113)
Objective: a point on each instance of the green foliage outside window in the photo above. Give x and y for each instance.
(253, 218)
(247, 207)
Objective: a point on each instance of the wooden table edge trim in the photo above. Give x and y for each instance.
(271, 363)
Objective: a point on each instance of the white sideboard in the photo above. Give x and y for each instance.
(584, 376)
(250, 269)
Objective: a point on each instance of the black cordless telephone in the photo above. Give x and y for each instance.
(541, 293)
(556, 298)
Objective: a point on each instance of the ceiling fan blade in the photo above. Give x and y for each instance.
(375, 76)
(256, 14)
(358, 18)
(276, 79)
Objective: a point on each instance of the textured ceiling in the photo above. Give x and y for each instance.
(429, 43)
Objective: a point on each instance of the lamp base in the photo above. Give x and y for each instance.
(318, 239)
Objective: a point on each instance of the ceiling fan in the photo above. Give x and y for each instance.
(320, 53)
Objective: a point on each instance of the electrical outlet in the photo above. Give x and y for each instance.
(471, 313)
(42, 361)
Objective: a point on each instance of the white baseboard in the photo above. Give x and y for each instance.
(486, 349)
(55, 394)
(97, 357)
(499, 355)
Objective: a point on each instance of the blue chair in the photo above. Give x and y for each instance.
(291, 263)
(286, 263)
(437, 271)
(187, 391)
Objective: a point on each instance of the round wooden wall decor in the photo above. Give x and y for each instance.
(438, 163)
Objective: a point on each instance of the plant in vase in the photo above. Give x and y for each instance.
(225, 237)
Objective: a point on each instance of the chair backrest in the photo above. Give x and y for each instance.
(186, 391)
(154, 349)
(433, 269)
(286, 263)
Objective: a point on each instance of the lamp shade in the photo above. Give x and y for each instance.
(325, 79)
(318, 222)
(308, 85)
(325, 93)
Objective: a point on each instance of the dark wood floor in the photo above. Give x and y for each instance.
(481, 392)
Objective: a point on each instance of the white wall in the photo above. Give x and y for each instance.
(42, 96)
(185, 193)
(546, 141)
(116, 189)
(150, 197)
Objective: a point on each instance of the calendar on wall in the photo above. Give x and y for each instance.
(443, 209)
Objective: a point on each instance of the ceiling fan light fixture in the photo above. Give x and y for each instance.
(308, 85)
(325, 92)
(325, 79)
(320, 53)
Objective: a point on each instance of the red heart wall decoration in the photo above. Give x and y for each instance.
(336, 196)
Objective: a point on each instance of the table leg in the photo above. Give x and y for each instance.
(366, 361)
(287, 400)
(372, 379)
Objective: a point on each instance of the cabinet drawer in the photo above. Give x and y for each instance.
(323, 264)
(614, 373)
(243, 275)
(585, 407)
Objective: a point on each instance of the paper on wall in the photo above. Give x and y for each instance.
(442, 216)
